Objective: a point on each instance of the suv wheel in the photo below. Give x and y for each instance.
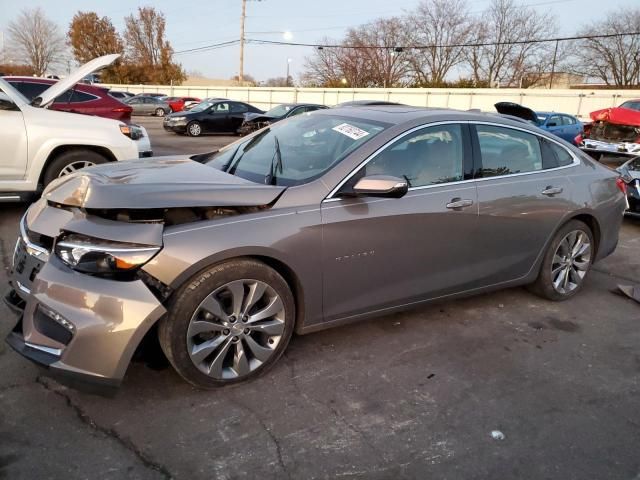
(229, 324)
(566, 263)
(70, 162)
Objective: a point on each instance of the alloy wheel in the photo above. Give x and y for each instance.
(73, 167)
(195, 129)
(235, 329)
(571, 262)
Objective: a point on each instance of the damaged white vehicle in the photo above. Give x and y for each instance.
(40, 145)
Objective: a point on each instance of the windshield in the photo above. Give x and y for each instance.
(296, 151)
(279, 111)
(201, 107)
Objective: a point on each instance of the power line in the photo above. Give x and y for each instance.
(458, 45)
(400, 48)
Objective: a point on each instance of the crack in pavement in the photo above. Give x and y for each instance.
(273, 438)
(109, 432)
(614, 275)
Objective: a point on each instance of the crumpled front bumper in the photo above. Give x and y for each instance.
(78, 325)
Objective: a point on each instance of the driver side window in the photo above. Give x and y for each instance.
(428, 156)
(220, 108)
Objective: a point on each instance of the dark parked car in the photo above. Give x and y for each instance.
(85, 99)
(256, 121)
(148, 106)
(217, 116)
(563, 125)
(313, 222)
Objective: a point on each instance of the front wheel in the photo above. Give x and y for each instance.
(567, 262)
(69, 162)
(194, 129)
(229, 324)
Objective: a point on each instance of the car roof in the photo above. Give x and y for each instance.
(303, 105)
(401, 114)
(554, 113)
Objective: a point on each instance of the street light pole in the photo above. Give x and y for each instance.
(244, 14)
(287, 77)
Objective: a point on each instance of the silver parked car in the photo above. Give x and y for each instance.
(313, 222)
(143, 105)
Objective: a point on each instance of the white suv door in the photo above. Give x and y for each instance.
(13, 138)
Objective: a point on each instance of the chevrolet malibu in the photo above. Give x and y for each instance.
(313, 222)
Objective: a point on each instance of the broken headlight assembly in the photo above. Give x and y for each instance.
(96, 256)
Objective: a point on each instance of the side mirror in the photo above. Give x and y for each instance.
(381, 186)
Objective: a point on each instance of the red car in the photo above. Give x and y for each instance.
(86, 99)
(177, 103)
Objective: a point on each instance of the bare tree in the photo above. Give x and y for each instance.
(613, 60)
(36, 40)
(369, 56)
(147, 48)
(437, 23)
(508, 58)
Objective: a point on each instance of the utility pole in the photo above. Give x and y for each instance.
(244, 14)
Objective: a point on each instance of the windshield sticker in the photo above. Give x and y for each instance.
(350, 131)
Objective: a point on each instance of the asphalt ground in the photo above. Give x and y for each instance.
(500, 386)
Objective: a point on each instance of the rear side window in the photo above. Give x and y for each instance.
(506, 151)
(239, 108)
(74, 97)
(30, 90)
(553, 155)
(568, 120)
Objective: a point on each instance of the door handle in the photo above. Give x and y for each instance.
(551, 191)
(459, 203)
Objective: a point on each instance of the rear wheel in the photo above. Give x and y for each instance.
(229, 324)
(160, 112)
(194, 129)
(70, 162)
(566, 263)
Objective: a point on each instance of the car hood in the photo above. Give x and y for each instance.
(516, 110)
(618, 115)
(165, 182)
(61, 86)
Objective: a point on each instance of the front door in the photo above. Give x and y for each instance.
(13, 138)
(523, 194)
(384, 252)
(216, 118)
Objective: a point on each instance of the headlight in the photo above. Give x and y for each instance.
(134, 132)
(177, 119)
(92, 255)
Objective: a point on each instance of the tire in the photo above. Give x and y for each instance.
(160, 112)
(194, 129)
(562, 273)
(207, 345)
(70, 161)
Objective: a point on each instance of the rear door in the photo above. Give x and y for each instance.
(523, 194)
(236, 115)
(383, 252)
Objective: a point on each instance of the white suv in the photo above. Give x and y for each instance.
(38, 145)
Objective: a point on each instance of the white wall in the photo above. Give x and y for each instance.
(575, 102)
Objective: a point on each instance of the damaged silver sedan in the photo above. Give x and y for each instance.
(316, 221)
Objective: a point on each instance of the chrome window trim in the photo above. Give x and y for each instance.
(576, 160)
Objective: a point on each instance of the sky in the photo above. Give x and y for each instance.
(196, 24)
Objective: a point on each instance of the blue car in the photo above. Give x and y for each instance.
(563, 125)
